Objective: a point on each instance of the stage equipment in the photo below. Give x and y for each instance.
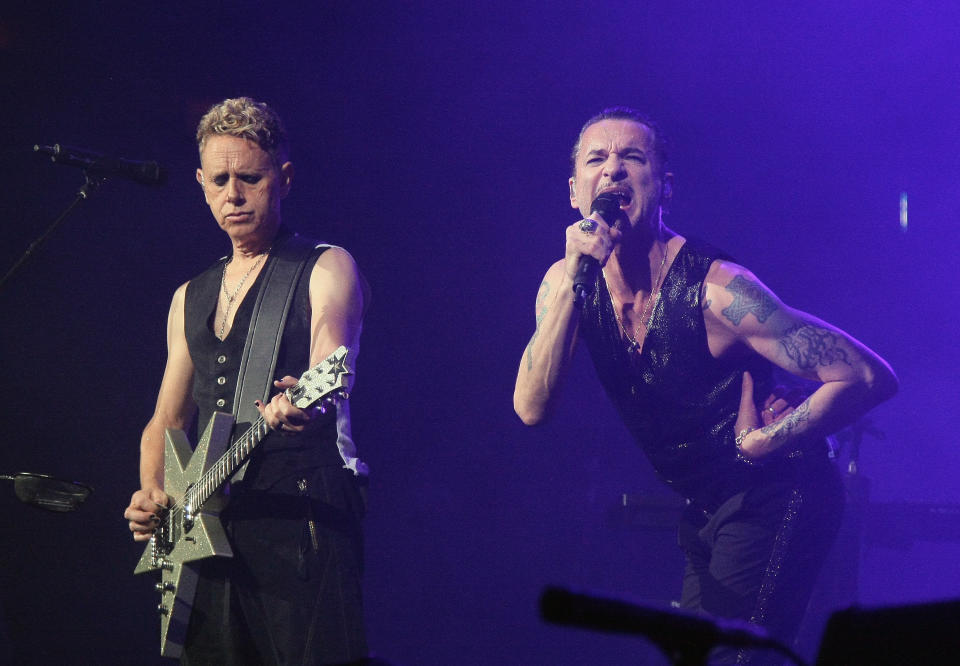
(96, 168)
(686, 639)
(48, 492)
(894, 636)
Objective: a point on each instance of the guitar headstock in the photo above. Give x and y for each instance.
(326, 381)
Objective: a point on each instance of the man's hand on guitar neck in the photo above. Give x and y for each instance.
(145, 507)
(280, 414)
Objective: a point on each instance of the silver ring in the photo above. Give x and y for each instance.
(588, 226)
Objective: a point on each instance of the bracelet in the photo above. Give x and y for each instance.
(741, 436)
(739, 442)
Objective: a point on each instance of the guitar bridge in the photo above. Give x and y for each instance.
(161, 542)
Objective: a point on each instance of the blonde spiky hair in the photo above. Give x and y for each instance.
(246, 118)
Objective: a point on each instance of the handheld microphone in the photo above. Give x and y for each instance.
(608, 205)
(145, 173)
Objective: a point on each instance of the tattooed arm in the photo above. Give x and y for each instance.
(550, 347)
(742, 311)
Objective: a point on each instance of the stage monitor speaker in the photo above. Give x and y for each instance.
(925, 634)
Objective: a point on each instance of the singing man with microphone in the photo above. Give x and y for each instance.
(682, 339)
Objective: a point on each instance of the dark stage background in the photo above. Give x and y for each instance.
(431, 140)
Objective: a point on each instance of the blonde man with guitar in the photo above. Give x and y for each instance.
(290, 593)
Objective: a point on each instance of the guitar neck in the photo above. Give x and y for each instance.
(324, 382)
(218, 473)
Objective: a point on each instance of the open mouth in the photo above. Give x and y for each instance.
(624, 195)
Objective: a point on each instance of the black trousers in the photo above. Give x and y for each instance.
(291, 594)
(756, 558)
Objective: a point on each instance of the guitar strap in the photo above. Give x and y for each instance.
(259, 359)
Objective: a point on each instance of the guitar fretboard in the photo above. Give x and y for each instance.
(218, 473)
(227, 464)
(325, 381)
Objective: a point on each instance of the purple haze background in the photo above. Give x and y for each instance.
(432, 142)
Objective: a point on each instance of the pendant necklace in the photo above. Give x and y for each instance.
(232, 297)
(633, 345)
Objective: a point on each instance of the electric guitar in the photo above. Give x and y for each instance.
(190, 528)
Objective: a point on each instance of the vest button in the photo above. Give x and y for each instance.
(221, 380)
(221, 359)
(221, 402)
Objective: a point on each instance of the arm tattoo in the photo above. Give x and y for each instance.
(788, 426)
(809, 346)
(541, 313)
(748, 298)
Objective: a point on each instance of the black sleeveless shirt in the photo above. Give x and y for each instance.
(678, 402)
(217, 364)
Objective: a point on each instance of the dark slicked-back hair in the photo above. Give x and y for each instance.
(624, 113)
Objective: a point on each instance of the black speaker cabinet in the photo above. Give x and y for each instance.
(924, 634)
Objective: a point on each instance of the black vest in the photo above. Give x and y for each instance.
(678, 402)
(217, 363)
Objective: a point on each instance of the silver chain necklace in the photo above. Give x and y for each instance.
(232, 297)
(634, 345)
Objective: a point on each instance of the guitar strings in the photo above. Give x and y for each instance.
(207, 480)
(231, 454)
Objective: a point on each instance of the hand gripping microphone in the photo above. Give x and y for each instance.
(608, 205)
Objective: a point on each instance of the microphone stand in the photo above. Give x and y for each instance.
(92, 182)
(684, 638)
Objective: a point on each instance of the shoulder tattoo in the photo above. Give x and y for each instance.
(748, 298)
(810, 346)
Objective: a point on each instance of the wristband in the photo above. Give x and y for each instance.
(739, 442)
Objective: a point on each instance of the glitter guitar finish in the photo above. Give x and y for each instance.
(190, 528)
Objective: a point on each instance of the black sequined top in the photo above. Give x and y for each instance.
(678, 401)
